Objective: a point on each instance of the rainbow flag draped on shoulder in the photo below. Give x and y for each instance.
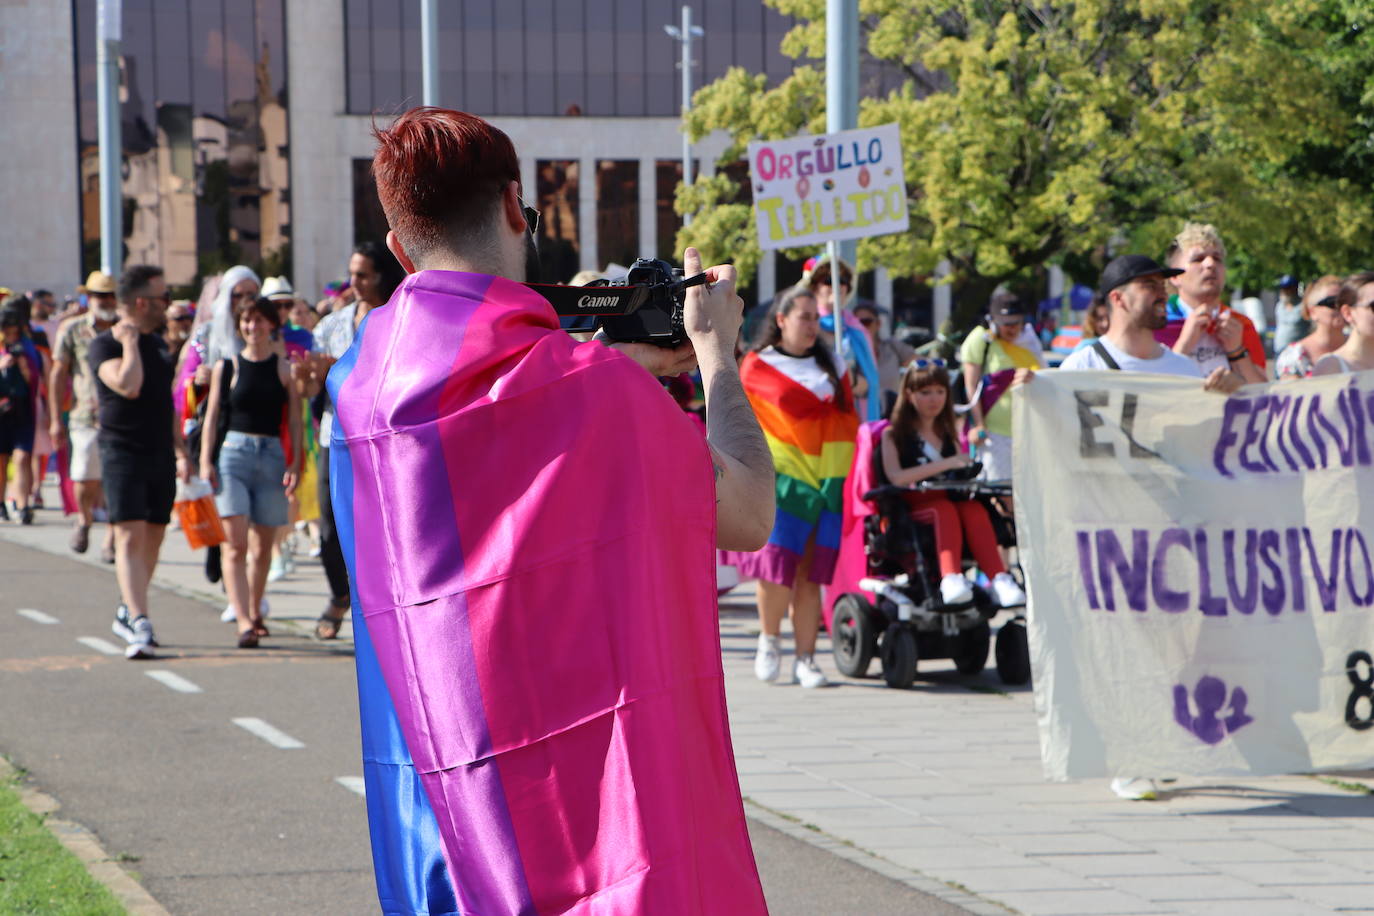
(812, 442)
(529, 527)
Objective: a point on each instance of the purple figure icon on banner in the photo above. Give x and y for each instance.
(1210, 697)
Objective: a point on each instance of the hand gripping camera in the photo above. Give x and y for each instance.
(645, 308)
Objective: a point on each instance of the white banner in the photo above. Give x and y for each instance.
(815, 189)
(1199, 570)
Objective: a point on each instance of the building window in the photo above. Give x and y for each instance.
(547, 58)
(559, 246)
(617, 212)
(204, 127)
(667, 177)
(369, 222)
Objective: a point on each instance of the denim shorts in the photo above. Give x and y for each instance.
(250, 475)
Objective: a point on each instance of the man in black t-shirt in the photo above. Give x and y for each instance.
(141, 452)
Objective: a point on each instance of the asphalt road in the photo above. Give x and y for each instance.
(214, 818)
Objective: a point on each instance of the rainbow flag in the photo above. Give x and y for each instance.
(529, 527)
(812, 442)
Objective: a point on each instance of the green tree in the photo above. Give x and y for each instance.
(1038, 134)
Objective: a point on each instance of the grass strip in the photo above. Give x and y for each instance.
(38, 875)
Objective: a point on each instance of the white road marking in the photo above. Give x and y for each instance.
(174, 681)
(353, 784)
(268, 733)
(103, 646)
(36, 616)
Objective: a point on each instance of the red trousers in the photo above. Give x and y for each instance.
(954, 522)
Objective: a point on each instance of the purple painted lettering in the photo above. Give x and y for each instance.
(1354, 536)
(1085, 568)
(1271, 594)
(1166, 598)
(1259, 410)
(1242, 601)
(1133, 573)
(1209, 604)
(1293, 539)
(1314, 407)
(1234, 408)
(1326, 583)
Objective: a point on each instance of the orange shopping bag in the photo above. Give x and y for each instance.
(195, 507)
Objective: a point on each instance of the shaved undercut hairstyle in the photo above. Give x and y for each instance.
(440, 174)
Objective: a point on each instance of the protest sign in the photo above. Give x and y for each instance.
(1199, 572)
(814, 189)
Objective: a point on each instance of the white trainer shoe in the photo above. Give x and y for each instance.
(954, 589)
(806, 673)
(768, 660)
(1135, 788)
(228, 615)
(1006, 591)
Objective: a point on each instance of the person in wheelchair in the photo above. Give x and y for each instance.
(921, 444)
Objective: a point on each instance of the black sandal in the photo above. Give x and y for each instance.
(248, 639)
(327, 627)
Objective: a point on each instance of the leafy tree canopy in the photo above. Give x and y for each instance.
(1050, 133)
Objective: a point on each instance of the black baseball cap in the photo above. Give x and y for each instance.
(1130, 267)
(1005, 304)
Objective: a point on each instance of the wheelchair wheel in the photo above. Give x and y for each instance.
(971, 649)
(899, 656)
(854, 637)
(1013, 652)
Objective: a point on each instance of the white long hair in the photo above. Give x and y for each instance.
(224, 341)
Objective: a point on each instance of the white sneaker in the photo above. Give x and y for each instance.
(1006, 591)
(806, 673)
(954, 589)
(142, 641)
(277, 571)
(767, 661)
(1135, 788)
(228, 615)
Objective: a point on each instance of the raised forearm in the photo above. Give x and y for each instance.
(124, 375)
(743, 464)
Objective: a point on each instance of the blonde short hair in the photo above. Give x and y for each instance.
(1196, 234)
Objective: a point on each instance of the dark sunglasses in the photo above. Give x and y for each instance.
(868, 322)
(182, 318)
(531, 216)
(1329, 302)
(165, 298)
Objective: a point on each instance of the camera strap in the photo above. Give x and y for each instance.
(577, 301)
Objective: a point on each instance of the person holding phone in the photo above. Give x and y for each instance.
(1201, 326)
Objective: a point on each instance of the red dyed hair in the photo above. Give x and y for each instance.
(438, 173)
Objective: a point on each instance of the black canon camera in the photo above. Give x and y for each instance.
(646, 307)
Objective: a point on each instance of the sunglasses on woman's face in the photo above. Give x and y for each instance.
(1328, 302)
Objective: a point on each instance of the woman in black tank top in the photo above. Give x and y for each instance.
(253, 392)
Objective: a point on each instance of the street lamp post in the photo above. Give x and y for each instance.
(108, 136)
(685, 33)
(429, 52)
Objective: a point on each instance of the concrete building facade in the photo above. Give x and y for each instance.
(247, 125)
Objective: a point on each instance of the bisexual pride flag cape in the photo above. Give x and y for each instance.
(812, 442)
(529, 527)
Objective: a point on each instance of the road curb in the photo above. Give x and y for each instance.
(81, 843)
(979, 906)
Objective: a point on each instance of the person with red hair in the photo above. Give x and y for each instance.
(529, 525)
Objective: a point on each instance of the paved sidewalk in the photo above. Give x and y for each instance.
(940, 786)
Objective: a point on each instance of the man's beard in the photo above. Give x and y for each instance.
(110, 315)
(1156, 319)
